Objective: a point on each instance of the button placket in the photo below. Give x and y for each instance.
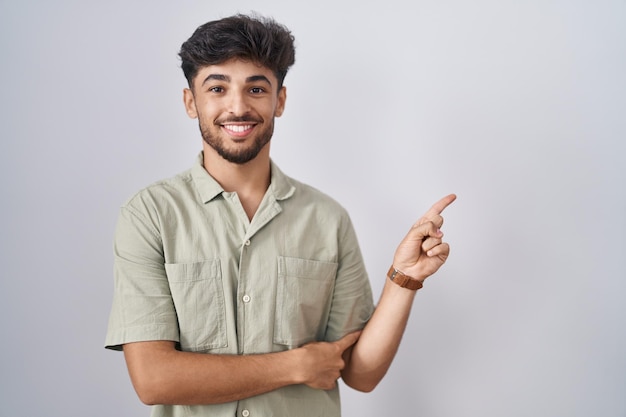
(243, 297)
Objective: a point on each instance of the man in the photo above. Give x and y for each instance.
(238, 290)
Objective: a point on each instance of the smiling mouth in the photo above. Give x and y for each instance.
(238, 131)
(238, 128)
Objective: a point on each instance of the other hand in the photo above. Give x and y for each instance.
(322, 361)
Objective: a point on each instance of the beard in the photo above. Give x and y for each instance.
(236, 156)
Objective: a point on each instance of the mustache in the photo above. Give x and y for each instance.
(238, 119)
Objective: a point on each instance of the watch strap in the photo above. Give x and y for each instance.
(402, 280)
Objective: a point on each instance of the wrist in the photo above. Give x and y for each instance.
(293, 360)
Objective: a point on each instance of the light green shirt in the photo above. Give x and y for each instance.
(190, 267)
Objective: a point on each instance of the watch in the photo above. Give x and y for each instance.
(402, 280)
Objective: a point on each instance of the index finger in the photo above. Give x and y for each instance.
(440, 205)
(348, 340)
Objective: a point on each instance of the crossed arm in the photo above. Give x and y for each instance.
(163, 375)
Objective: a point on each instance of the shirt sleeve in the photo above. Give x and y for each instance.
(142, 306)
(352, 302)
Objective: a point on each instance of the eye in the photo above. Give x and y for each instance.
(216, 89)
(257, 90)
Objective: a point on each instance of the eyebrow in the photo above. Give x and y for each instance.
(254, 78)
(226, 78)
(218, 77)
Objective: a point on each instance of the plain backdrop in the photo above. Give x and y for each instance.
(518, 107)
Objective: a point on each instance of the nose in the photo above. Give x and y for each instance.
(238, 104)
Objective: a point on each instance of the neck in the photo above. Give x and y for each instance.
(250, 180)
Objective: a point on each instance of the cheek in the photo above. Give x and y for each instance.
(206, 112)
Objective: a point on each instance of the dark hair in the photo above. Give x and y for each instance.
(255, 38)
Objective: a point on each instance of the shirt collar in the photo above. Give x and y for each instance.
(206, 185)
(281, 185)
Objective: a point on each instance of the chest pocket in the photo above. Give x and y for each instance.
(198, 295)
(303, 300)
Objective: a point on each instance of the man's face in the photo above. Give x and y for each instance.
(235, 103)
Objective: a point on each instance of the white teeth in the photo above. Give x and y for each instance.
(238, 128)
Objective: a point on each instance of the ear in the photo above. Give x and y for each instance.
(190, 103)
(280, 104)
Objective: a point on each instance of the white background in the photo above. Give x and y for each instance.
(517, 106)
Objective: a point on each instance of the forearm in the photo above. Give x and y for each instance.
(163, 375)
(372, 355)
(420, 254)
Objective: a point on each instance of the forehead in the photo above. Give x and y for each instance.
(236, 70)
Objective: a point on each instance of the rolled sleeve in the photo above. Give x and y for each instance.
(142, 306)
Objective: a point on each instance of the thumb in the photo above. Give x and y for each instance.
(348, 340)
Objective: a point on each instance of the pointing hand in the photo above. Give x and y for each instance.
(422, 251)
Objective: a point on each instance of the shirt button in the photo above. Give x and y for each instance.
(247, 242)
(245, 413)
(246, 298)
